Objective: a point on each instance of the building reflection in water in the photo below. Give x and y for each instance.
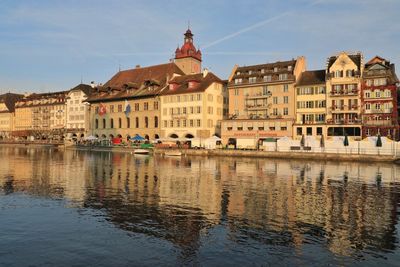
(349, 208)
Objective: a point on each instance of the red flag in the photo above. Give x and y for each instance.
(102, 109)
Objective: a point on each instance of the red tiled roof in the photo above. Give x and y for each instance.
(135, 83)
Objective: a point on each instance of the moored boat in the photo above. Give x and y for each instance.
(141, 151)
(173, 153)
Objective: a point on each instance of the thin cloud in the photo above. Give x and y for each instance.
(256, 25)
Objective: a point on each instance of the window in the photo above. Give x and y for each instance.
(111, 108)
(198, 97)
(275, 100)
(238, 81)
(309, 130)
(285, 88)
(137, 122)
(119, 108)
(171, 123)
(272, 128)
(191, 123)
(367, 106)
(155, 104)
(319, 130)
(155, 122)
(388, 93)
(104, 123)
(285, 111)
(236, 92)
(146, 106)
(198, 123)
(119, 123)
(136, 106)
(178, 123)
(299, 131)
(96, 123)
(165, 124)
(210, 110)
(275, 111)
(240, 128)
(275, 69)
(96, 110)
(367, 94)
(283, 76)
(349, 73)
(377, 93)
(184, 110)
(111, 123)
(146, 122)
(338, 74)
(128, 123)
(252, 79)
(267, 78)
(285, 99)
(198, 109)
(183, 123)
(191, 110)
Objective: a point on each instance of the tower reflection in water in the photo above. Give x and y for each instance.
(349, 208)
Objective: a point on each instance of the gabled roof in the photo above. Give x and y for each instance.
(87, 89)
(201, 83)
(312, 77)
(138, 82)
(140, 75)
(356, 58)
(9, 100)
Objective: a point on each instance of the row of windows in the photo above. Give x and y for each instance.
(82, 108)
(185, 123)
(267, 78)
(311, 90)
(276, 112)
(341, 73)
(76, 117)
(378, 106)
(266, 90)
(128, 123)
(311, 104)
(111, 108)
(377, 94)
(289, 68)
(260, 128)
(342, 87)
(275, 100)
(313, 118)
(376, 82)
(185, 98)
(76, 102)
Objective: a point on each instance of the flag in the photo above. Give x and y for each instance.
(127, 109)
(102, 109)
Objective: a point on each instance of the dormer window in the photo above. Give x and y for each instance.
(290, 68)
(275, 69)
(192, 84)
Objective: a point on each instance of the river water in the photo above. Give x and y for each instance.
(78, 208)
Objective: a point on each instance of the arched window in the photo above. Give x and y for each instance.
(104, 123)
(96, 122)
(119, 123)
(146, 122)
(137, 122)
(128, 123)
(155, 122)
(111, 123)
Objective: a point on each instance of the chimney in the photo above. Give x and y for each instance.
(137, 66)
(93, 84)
(205, 72)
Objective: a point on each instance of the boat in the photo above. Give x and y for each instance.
(141, 151)
(173, 153)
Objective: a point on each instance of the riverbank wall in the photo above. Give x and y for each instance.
(300, 155)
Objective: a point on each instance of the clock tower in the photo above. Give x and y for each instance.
(188, 58)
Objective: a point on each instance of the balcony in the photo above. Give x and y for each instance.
(379, 123)
(256, 107)
(353, 92)
(345, 108)
(343, 121)
(378, 111)
(258, 96)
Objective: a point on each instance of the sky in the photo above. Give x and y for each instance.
(53, 45)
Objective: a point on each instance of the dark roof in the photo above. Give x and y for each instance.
(312, 77)
(136, 83)
(356, 58)
(201, 83)
(268, 66)
(87, 89)
(140, 75)
(9, 99)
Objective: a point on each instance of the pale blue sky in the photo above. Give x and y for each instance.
(50, 45)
